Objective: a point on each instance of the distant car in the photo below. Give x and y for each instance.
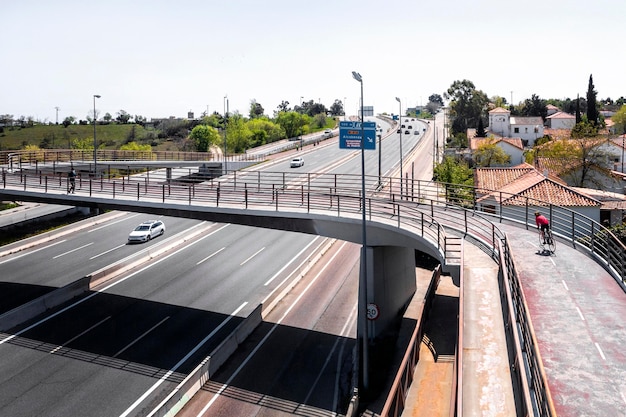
(410, 127)
(417, 132)
(297, 162)
(403, 126)
(406, 132)
(399, 131)
(146, 231)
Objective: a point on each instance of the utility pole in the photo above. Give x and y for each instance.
(57, 114)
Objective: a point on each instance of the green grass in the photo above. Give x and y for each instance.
(110, 136)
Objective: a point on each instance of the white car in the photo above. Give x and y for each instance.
(146, 231)
(297, 162)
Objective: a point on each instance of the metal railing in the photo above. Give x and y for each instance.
(427, 208)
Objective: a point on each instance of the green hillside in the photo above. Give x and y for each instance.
(109, 136)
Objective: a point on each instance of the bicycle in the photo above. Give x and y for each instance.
(546, 240)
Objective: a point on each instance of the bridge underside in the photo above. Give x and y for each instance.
(391, 250)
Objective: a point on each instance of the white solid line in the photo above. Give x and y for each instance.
(73, 250)
(565, 285)
(80, 334)
(269, 333)
(107, 251)
(253, 255)
(210, 256)
(32, 251)
(141, 337)
(580, 313)
(180, 362)
(290, 262)
(600, 350)
(112, 223)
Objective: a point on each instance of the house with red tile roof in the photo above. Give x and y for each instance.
(501, 123)
(511, 146)
(561, 120)
(520, 190)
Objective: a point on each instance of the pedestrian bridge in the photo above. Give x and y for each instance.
(428, 217)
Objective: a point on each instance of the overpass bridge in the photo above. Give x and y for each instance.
(428, 217)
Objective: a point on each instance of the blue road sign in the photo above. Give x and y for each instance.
(350, 135)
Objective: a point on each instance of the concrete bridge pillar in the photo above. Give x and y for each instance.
(390, 286)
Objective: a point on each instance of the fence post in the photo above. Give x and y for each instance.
(163, 193)
(276, 200)
(246, 196)
(217, 196)
(113, 189)
(137, 191)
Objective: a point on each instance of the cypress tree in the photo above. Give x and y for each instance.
(592, 109)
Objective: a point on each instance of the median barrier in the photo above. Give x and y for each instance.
(41, 304)
(211, 364)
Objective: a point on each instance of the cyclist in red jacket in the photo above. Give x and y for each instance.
(542, 223)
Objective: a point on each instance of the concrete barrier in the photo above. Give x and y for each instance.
(41, 304)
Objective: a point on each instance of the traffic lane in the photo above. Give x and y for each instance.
(36, 272)
(107, 347)
(222, 269)
(76, 255)
(300, 356)
(124, 330)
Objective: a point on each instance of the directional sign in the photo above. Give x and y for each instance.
(350, 135)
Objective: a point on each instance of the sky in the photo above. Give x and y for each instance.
(162, 58)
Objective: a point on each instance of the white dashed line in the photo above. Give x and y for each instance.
(600, 350)
(580, 313)
(565, 285)
(255, 254)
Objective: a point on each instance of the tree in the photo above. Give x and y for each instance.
(238, 134)
(534, 107)
(69, 120)
(337, 108)
(489, 154)
(263, 131)
(107, 117)
(203, 137)
(619, 118)
(466, 105)
(292, 123)
(256, 110)
(480, 130)
(436, 99)
(140, 120)
(6, 119)
(584, 129)
(592, 108)
(283, 107)
(122, 117)
(457, 176)
(578, 118)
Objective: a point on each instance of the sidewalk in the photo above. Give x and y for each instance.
(27, 212)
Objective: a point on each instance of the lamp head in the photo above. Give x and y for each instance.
(96, 96)
(397, 99)
(357, 76)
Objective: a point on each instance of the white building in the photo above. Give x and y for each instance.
(561, 120)
(529, 129)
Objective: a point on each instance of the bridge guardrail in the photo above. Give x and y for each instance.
(458, 207)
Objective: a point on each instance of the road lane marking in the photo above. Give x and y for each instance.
(32, 251)
(267, 336)
(112, 223)
(79, 335)
(580, 313)
(210, 256)
(600, 350)
(180, 362)
(565, 285)
(140, 337)
(71, 251)
(107, 251)
(253, 255)
(268, 282)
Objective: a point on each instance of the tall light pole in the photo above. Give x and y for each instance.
(300, 121)
(401, 157)
(95, 142)
(225, 125)
(362, 315)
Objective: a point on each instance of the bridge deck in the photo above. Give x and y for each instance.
(578, 313)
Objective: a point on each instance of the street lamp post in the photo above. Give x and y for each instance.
(95, 142)
(225, 125)
(362, 316)
(300, 121)
(401, 156)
